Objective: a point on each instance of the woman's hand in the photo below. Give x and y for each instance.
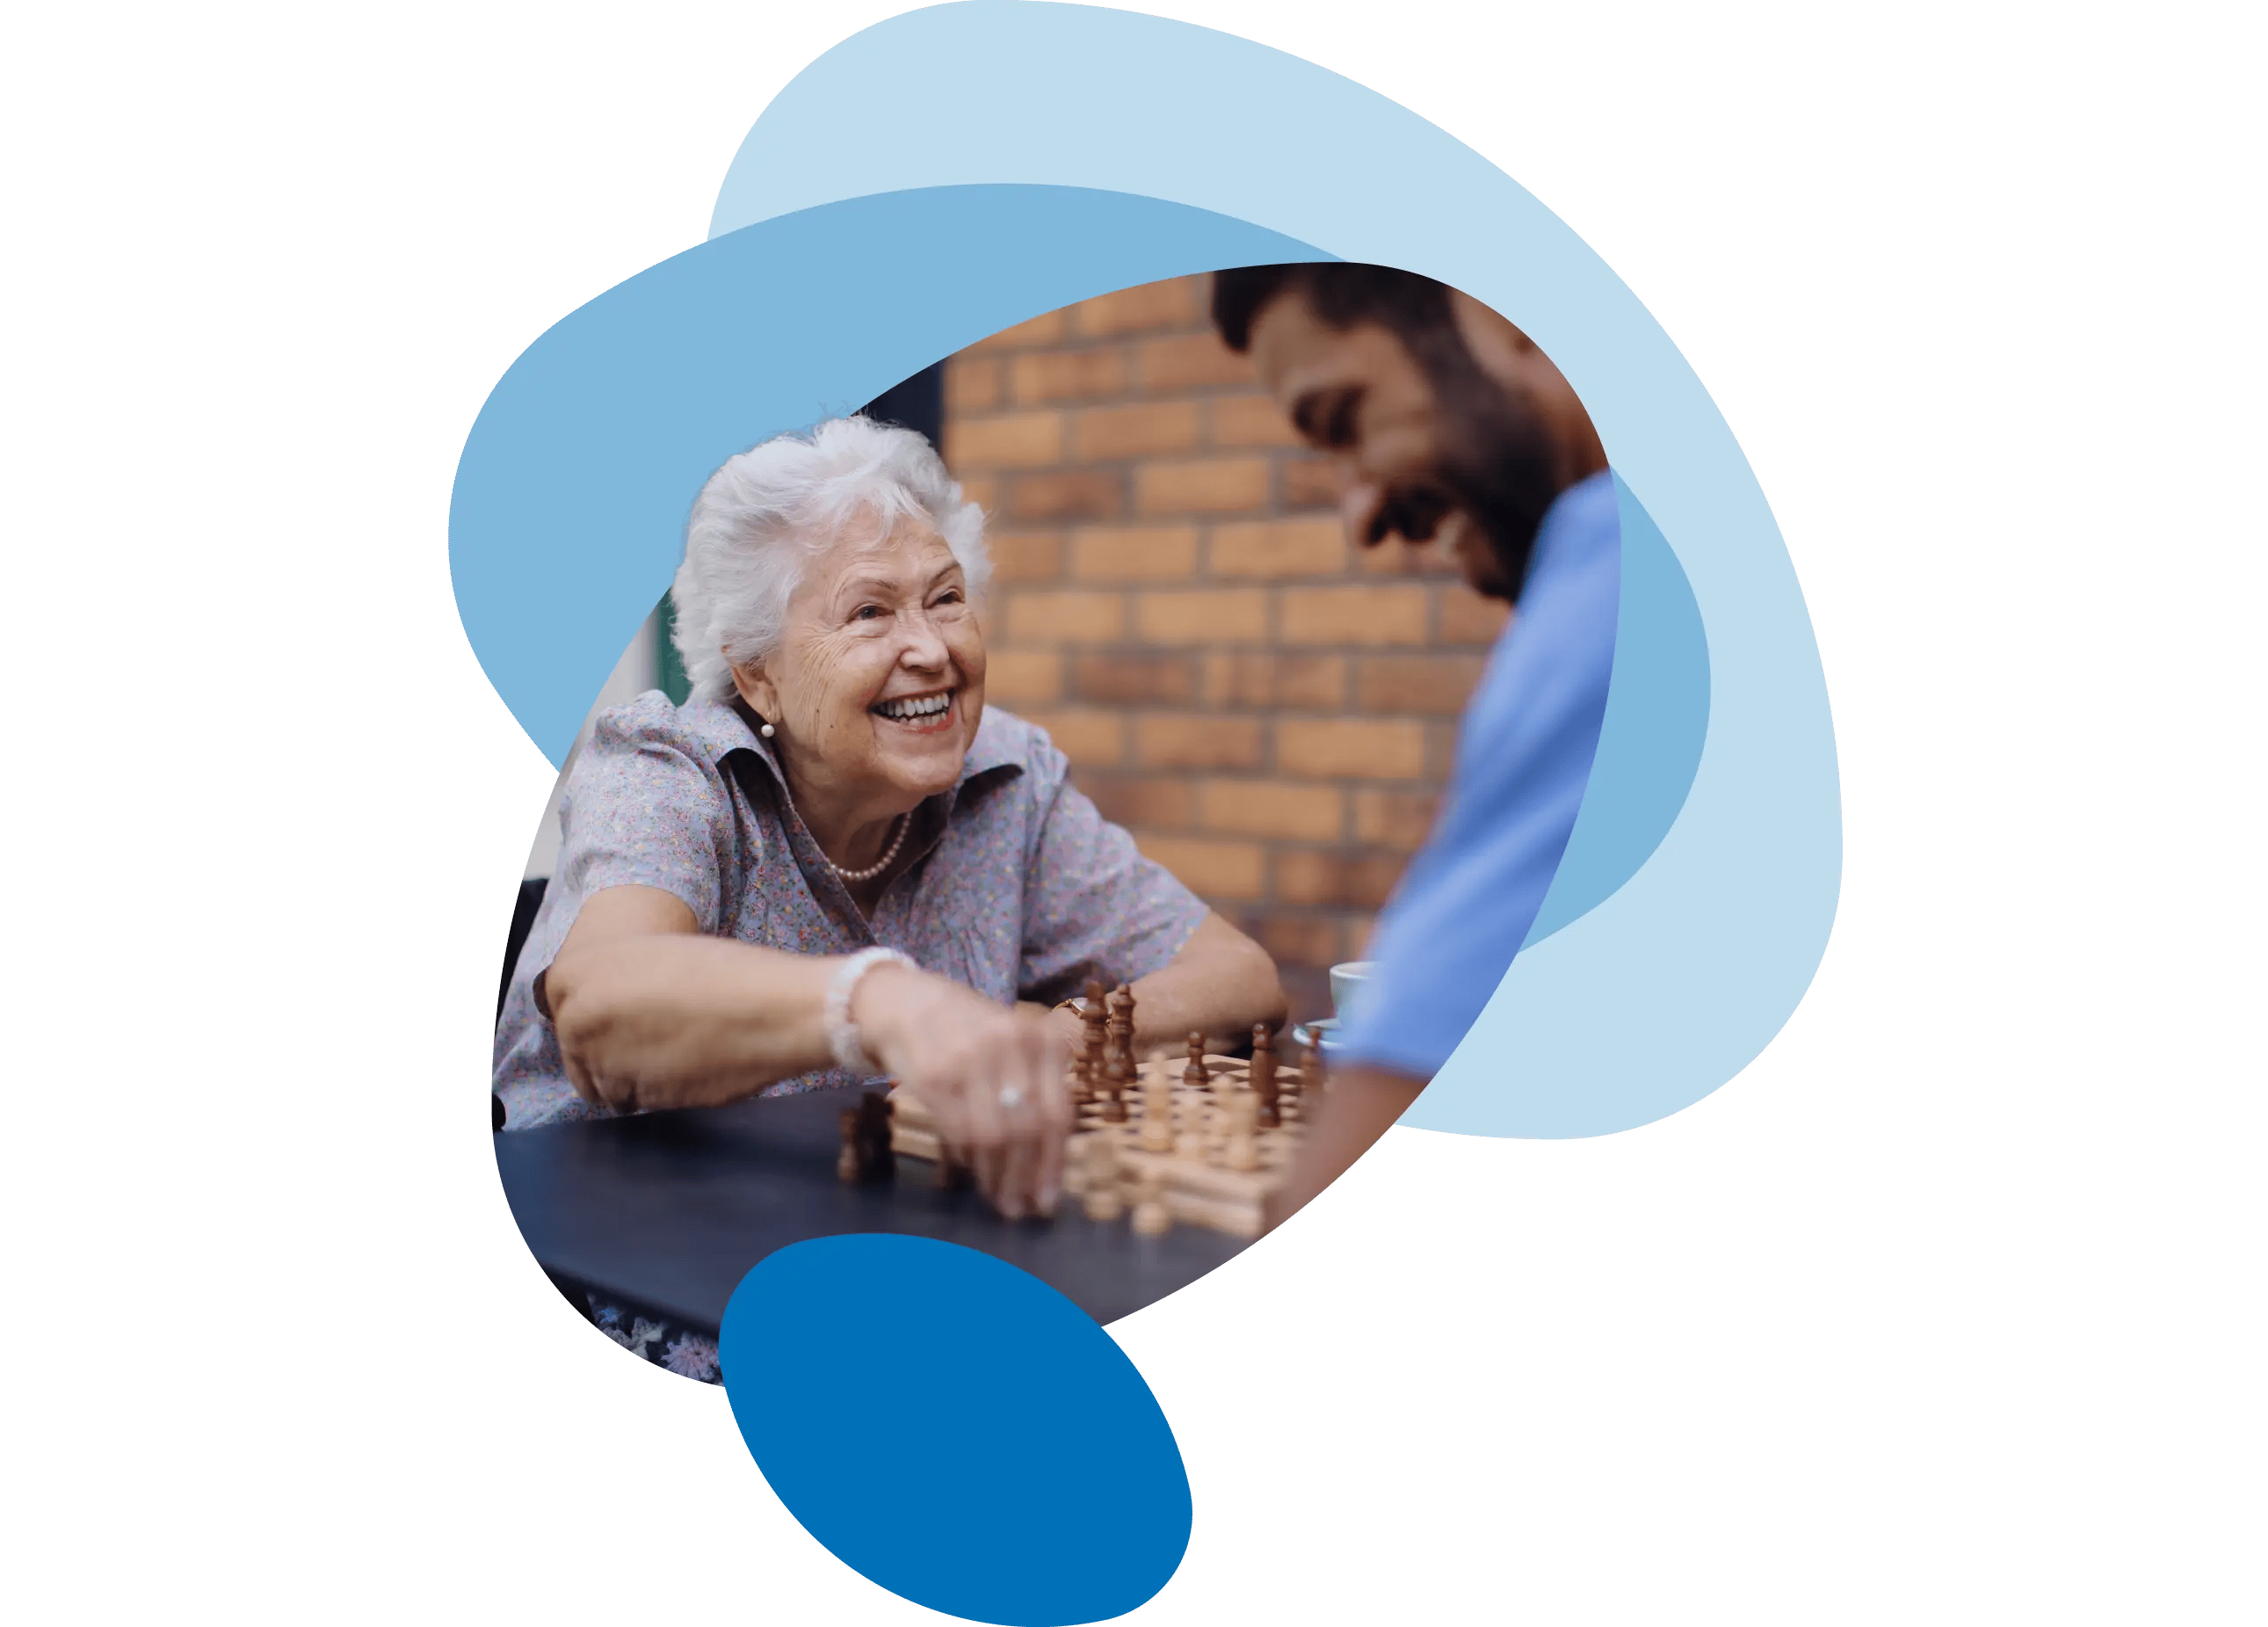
(992, 1078)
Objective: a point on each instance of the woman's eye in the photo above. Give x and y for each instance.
(951, 595)
(867, 612)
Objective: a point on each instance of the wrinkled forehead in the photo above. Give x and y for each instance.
(909, 553)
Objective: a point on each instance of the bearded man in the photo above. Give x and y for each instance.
(1450, 429)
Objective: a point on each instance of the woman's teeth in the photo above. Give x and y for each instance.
(907, 711)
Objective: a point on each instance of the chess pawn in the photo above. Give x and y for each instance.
(1158, 1112)
(1262, 1076)
(1195, 1074)
(1312, 1081)
(1152, 1218)
(1243, 1149)
(1100, 1196)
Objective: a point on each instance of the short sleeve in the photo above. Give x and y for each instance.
(1094, 907)
(647, 807)
(1465, 908)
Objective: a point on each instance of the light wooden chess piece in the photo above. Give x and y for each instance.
(1157, 1111)
(1195, 1074)
(1100, 1196)
(1243, 1149)
(1152, 1218)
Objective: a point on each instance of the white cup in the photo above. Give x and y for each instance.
(1349, 980)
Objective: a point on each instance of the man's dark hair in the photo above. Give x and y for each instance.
(1497, 463)
(1340, 294)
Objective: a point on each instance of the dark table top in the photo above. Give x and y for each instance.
(669, 1210)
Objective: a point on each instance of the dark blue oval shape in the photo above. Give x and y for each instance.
(956, 1430)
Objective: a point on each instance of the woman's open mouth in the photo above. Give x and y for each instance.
(923, 713)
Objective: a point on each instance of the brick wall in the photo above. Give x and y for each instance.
(1269, 710)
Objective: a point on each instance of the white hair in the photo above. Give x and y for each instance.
(769, 512)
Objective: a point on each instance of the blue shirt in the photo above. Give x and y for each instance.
(1524, 751)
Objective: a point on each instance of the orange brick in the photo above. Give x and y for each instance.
(1281, 808)
(1184, 740)
(1067, 375)
(1212, 869)
(1170, 304)
(1189, 362)
(1096, 739)
(1074, 494)
(1026, 556)
(1310, 483)
(1043, 617)
(1045, 329)
(1440, 747)
(1101, 433)
(1202, 485)
(1279, 548)
(1302, 940)
(1250, 678)
(1468, 618)
(972, 384)
(1385, 613)
(1134, 553)
(1395, 558)
(1434, 684)
(1251, 421)
(1202, 616)
(1352, 748)
(1354, 879)
(1016, 677)
(1359, 929)
(1140, 799)
(982, 490)
(1130, 678)
(1011, 441)
(1399, 820)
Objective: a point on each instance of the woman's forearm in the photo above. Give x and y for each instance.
(1219, 986)
(678, 1009)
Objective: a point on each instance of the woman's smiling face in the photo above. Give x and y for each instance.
(879, 685)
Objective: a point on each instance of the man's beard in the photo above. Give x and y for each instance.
(1498, 467)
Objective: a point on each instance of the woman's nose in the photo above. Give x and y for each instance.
(924, 648)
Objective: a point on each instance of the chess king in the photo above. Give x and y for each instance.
(1450, 428)
(833, 862)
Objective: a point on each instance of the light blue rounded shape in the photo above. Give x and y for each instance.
(1659, 992)
(567, 518)
(954, 1429)
(1650, 740)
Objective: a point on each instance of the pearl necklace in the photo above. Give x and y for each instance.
(905, 823)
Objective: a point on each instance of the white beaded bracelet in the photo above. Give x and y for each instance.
(841, 1032)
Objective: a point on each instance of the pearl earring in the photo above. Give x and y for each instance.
(766, 731)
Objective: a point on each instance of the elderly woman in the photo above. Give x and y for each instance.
(833, 862)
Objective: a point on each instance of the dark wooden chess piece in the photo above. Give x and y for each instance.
(866, 1154)
(1195, 1073)
(1262, 1075)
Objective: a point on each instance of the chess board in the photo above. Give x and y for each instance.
(1174, 1159)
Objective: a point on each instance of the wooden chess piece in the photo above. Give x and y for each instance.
(1195, 1074)
(1158, 1110)
(1262, 1076)
(1101, 1198)
(876, 1160)
(1243, 1149)
(1152, 1218)
(1312, 1081)
(1094, 1019)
